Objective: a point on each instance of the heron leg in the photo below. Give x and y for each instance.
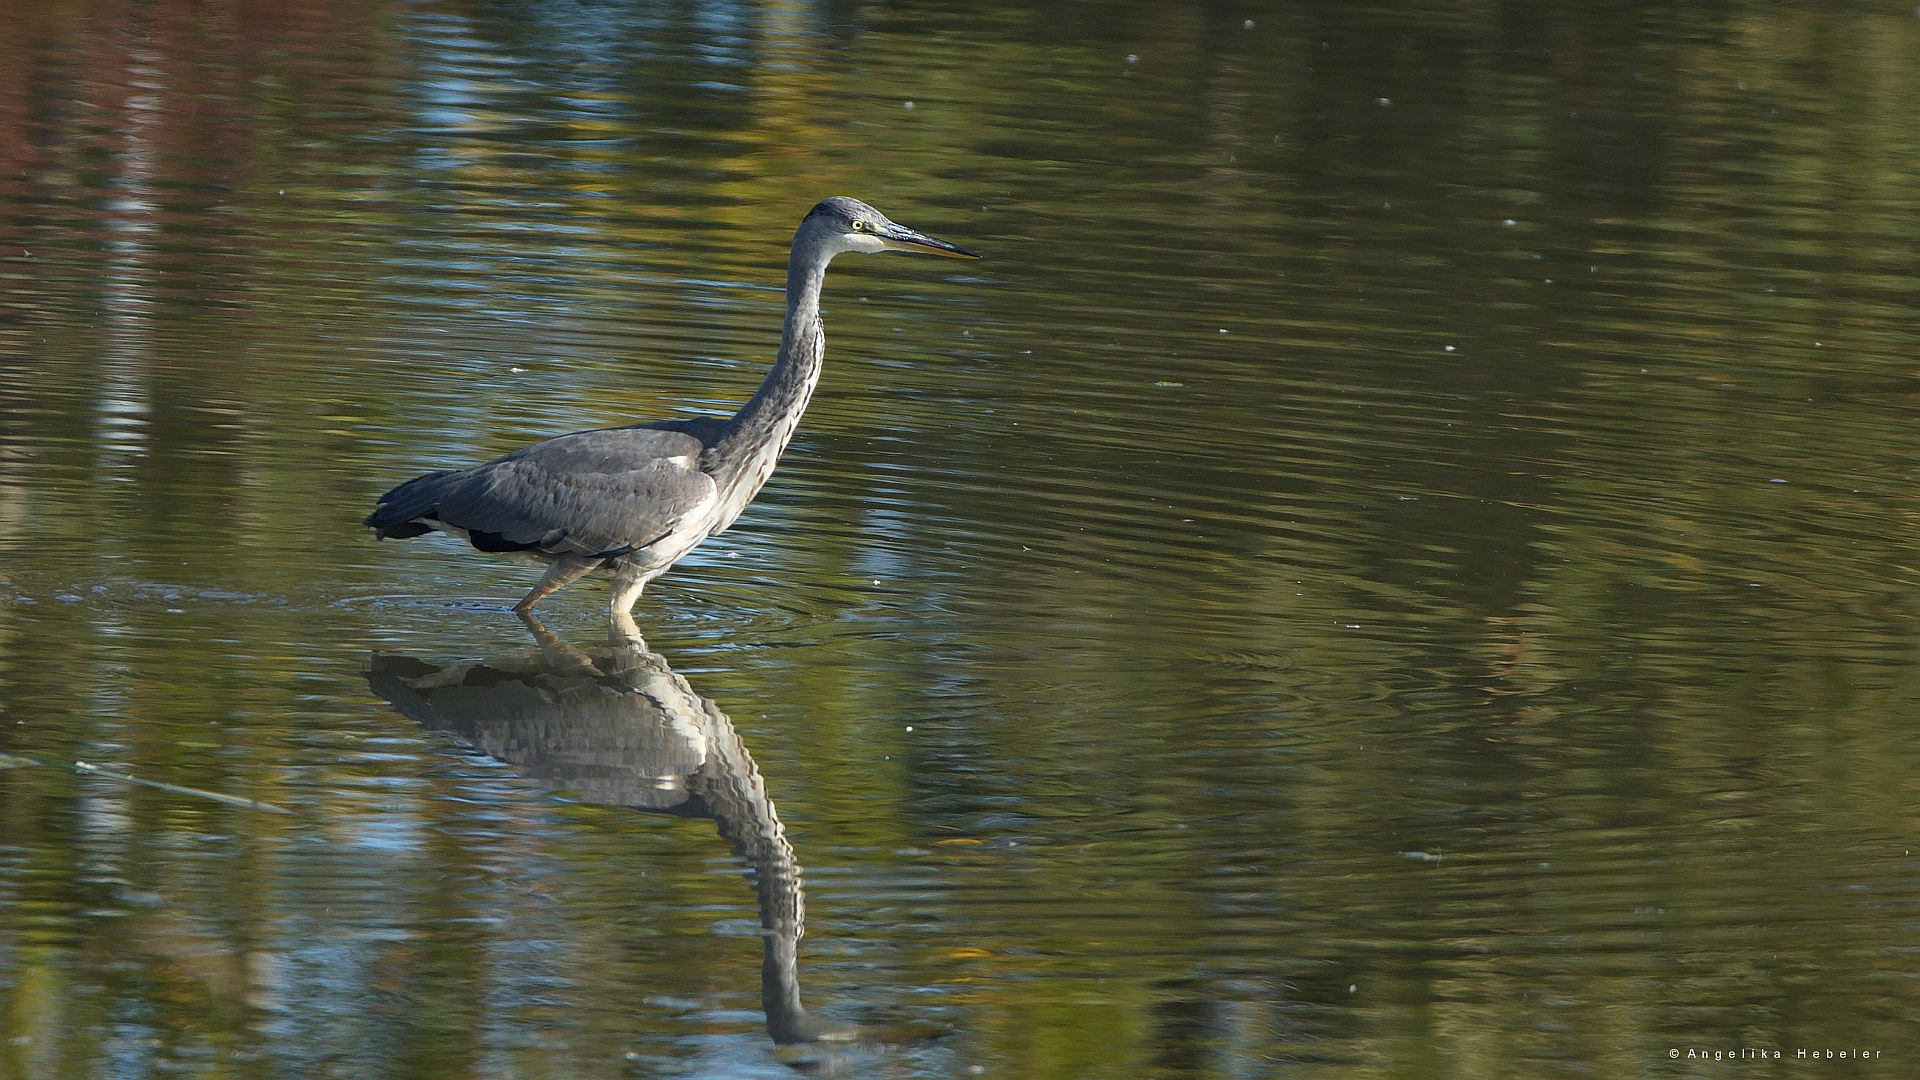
(626, 591)
(624, 633)
(565, 569)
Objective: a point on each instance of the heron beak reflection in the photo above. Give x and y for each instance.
(901, 238)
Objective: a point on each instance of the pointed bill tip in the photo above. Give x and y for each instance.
(904, 239)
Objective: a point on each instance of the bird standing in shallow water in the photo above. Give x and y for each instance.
(631, 501)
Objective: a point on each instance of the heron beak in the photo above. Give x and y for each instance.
(901, 238)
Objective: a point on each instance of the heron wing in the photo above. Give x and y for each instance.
(605, 492)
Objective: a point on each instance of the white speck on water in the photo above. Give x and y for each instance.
(906, 105)
(733, 554)
(1776, 480)
(1164, 382)
(517, 370)
(909, 727)
(1509, 222)
(1026, 352)
(1132, 59)
(876, 581)
(1223, 330)
(1549, 281)
(1248, 25)
(1351, 988)
(1382, 101)
(1449, 348)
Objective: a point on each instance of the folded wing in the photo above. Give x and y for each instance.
(606, 492)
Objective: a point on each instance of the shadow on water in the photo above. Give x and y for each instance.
(618, 727)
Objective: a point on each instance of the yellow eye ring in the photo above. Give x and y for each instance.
(859, 226)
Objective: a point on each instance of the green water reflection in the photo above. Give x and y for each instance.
(1402, 563)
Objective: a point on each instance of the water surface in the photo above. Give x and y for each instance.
(1401, 562)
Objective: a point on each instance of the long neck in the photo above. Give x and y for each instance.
(745, 455)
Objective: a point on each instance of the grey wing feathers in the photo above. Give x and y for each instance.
(604, 492)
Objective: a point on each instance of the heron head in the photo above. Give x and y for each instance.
(845, 224)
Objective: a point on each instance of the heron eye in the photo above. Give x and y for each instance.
(859, 226)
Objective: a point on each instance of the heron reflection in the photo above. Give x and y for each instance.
(620, 728)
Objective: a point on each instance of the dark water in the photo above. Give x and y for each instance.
(1402, 563)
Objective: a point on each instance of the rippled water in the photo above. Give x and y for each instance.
(1401, 562)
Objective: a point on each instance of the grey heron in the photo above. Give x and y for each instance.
(631, 501)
